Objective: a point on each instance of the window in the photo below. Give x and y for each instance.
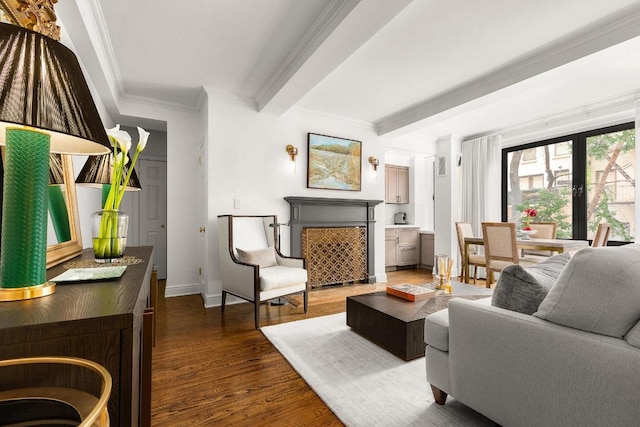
(529, 155)
(530, 182)
(563, 178)
(577, 180)
(562, 149)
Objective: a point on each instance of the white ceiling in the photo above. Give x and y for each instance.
(435, 67)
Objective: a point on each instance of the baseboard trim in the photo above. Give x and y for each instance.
(182, 290)
(215, 300)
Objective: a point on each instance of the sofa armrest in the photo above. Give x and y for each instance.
(520, 370)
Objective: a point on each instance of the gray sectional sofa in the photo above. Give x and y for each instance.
(558, 344)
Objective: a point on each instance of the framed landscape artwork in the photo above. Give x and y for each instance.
(333, 163)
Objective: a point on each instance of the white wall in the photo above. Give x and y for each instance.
(247, 162)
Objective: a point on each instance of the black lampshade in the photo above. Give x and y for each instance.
(56, 170)
(97, 171)
(42, 86)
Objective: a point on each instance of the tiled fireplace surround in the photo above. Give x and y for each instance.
(318, 213)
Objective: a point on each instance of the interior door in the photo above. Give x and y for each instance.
(153, 211)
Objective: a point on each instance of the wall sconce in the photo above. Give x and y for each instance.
(292, 152)
(374, 162)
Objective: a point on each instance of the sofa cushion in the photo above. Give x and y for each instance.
(523, 289)
(436, 327)
(598, 291)
(281, 277)
(263, 257)
(633, 336)
(436, 330)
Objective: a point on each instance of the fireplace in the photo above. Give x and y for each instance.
(336, 236)
(335, 254)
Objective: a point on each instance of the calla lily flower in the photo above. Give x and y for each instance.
(119, 137)
(143, 136)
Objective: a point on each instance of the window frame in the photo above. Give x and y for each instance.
(578, 157)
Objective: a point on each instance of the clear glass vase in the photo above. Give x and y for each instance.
(441, 270)
(109, 234)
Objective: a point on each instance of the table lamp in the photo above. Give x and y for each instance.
(45, 105)
(96, 173)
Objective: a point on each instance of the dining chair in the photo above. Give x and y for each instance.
(500, 248)
(463, 229)
(602, 235)
(545, 230)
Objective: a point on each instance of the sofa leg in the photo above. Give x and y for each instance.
(439, 395)
(224, 300)
(306, 300)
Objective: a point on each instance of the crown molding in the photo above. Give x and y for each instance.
(612, 30)
(218, 95)
(95, 22)
(331, 17)
(104, 48)
(608, 112)
(362, 124)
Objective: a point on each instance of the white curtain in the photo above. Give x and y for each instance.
(480, 181)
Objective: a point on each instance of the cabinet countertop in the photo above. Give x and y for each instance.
(401, 226)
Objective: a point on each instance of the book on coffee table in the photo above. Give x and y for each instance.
(411, 292)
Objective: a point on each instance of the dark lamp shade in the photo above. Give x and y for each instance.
(42, 87)
(56, 170)
(97, 171)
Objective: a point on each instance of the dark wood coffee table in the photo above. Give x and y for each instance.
(397, 325)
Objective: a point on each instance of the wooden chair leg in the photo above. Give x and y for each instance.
(224, 300)
(489, 278)
(475, 274)
(439, 395)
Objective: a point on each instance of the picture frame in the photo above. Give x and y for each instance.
(334, 163)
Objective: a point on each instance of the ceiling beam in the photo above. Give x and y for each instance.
(608, 32)
(343, 27)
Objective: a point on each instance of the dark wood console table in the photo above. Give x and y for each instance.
(109, 322)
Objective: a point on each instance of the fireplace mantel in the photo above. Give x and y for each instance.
(333, 212)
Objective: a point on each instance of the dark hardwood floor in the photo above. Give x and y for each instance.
(214, 369)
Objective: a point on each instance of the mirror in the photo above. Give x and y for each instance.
(64, 240)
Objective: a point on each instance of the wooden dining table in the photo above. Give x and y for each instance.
(555, 245)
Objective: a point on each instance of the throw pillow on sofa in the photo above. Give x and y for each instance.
(523, 289)
(598, 291)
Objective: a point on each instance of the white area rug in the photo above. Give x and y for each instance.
(363, 384)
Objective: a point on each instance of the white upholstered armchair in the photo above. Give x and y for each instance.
(251, 265)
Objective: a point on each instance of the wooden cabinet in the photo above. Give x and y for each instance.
(427, 249)
(402, 246)
(390, 247)
(397, 184)
(103, 321)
